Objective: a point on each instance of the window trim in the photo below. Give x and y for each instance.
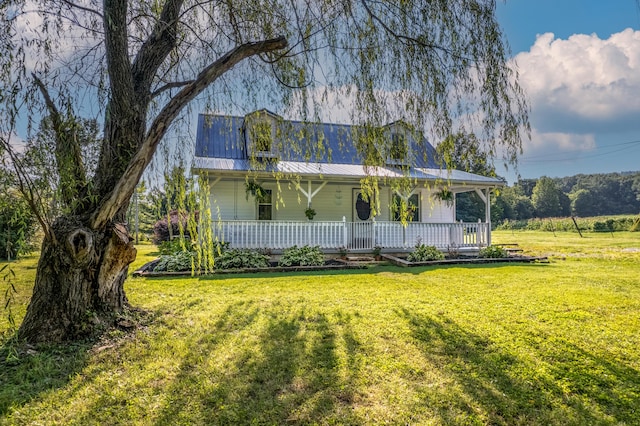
(260, 203)
(395, 214)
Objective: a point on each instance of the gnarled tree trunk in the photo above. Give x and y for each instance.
(79, 282)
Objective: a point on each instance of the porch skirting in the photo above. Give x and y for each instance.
(352, 236)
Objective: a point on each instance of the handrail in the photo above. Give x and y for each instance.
(355, 236)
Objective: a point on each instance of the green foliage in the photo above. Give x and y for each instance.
(8, 278)
(18, 225)
(176, 262)
(546, 198)
(598, 194)
(493, 252)
(424, 253)
(302, 256)
(589, 224)
(241, 259)
(310, 213)
(635, 227)
(175, 246)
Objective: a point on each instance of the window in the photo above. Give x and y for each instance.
(411, 208)
(399, 149)
(261, 139)
(265, 205)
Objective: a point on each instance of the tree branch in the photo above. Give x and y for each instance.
(129, 179)
(156, 48)
(169, 86)
(67, 152)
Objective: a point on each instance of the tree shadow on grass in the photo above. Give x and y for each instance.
(289, 373)
(25, 377)
(496, 387)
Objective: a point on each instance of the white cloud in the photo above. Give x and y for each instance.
(558, 141)
(583, 84)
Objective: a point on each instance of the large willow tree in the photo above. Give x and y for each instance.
(438, 65)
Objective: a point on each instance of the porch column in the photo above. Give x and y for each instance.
(486, 198)
(488, 216)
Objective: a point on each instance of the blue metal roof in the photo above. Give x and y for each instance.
(220, 136)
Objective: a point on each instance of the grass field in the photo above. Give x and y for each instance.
(541, 344)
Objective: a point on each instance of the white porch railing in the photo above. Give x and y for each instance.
(355, 236)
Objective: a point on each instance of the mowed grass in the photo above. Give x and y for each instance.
(555, 343)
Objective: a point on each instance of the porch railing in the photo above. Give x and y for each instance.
(354, 236)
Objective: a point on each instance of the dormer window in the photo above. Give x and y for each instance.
(398, 154)
(260, 131)
(261, 135)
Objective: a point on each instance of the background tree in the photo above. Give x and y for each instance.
(545, 198)
(144, 62)
(463, 151)
(583, 203)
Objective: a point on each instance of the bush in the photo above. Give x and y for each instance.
(302, 256)
(493, 252)
(241, 258)
(424, 253)
(17, 226)
(161, 228)
(635, 227)
(177, 262)
(174, 246)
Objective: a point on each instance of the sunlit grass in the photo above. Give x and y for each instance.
(509, 344)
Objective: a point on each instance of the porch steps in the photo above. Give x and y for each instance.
(510, 247)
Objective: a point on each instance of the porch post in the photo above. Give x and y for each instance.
(344, 232)
(488, 216)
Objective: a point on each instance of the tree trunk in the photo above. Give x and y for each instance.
(79, 282)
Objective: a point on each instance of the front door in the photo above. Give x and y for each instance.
(361, 229)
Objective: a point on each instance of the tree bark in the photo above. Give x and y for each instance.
(79, 282)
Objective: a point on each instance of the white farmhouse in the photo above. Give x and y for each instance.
(276, 183)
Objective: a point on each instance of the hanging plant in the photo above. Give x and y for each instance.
(254, 188)
(445, 195)
(310, 213)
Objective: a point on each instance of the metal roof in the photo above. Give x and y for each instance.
(355, 171)
(323, 149)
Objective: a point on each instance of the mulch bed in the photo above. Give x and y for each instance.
(339, 264)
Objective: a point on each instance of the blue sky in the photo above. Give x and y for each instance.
(579, 63)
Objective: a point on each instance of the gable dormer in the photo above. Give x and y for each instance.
(400, 144)
(260, 132)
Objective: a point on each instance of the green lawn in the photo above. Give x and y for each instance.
(555, 343)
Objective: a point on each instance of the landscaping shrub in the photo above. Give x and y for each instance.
(493, 252)
(177, 262)
(174, 246)
(161, 228)
(424, 253)
(302, 256)
(241, 258)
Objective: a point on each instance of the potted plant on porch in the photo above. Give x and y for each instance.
(310, 213)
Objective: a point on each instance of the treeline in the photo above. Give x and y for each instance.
(580, 195)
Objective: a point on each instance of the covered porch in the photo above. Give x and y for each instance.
(352, 236)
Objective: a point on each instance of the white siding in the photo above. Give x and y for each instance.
(229, 198)
(435, 210)
(333, 202)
